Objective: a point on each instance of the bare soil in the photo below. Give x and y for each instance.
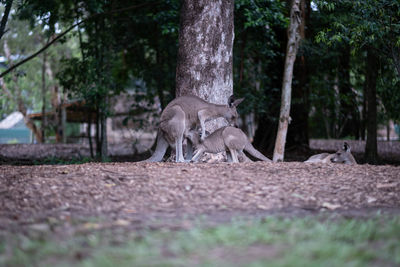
(64, 198)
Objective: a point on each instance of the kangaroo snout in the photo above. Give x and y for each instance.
(233, 123)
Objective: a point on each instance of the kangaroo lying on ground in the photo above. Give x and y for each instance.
(184, 114)
(229, 139)
(343, 155)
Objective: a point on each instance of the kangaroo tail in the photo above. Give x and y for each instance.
(255, 153)
(161, 148)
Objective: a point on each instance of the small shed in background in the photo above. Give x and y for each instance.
(14, 131)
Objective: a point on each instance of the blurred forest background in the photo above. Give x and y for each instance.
(117, 59)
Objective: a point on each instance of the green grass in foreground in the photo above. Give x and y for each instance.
(268, 242)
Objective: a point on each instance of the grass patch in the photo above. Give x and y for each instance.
(272, 241)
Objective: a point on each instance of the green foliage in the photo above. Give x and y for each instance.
(369, 23)
(257, 76)
(358, 26)
(23, 40)
(136, 49)
(389, 92)
(265, 14)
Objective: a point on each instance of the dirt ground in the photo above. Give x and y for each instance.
(63, 198)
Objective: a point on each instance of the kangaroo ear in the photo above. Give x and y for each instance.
(346, 147)
(232, 102)
(231, 99)
(237, 102)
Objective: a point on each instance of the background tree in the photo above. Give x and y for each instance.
(373, 29)
(133, 46)
(297, 135)
(204, 62)
(23, 89)
(291, 52)
(259, 49)
(4, 18)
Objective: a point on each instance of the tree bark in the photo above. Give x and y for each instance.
(44, 117)
(291, 51)
(4, 19)
(297, 135)
(204, 66)
(89, 133)
(371, 147)
(103, 126)
(55, 101)
(364, 113)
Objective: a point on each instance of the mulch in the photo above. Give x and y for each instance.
(129, 194)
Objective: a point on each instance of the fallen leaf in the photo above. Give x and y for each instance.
(262, 207)
(130, 211)
(121, 222)
(42, 227)
(385, 186)
(91, 226)
(298, 196)
(330, 206)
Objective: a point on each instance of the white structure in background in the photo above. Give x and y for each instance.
(11, 120)
(13, 130)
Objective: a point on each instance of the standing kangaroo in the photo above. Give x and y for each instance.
(343, 155)
(229, 139)
(185, 114)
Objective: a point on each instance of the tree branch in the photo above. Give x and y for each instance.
(67, 31)
(5, 18)
(5, 89)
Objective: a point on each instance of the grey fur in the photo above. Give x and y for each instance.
(185, 114)
(342, 156)
(229, 139)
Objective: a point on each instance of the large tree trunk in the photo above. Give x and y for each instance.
(204, 66)
(291, 51)
(371, 147)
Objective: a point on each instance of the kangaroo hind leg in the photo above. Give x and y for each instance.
(173, 124)
(229, 156)
(179, 150)
(197, 155)
(189, 150)
(233, 153)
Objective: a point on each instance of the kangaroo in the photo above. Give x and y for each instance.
(230, 139)
(343, 155)
(184, 114)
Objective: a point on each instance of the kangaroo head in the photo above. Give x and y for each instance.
(194, 137)
(231, 115)
(343, 155)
